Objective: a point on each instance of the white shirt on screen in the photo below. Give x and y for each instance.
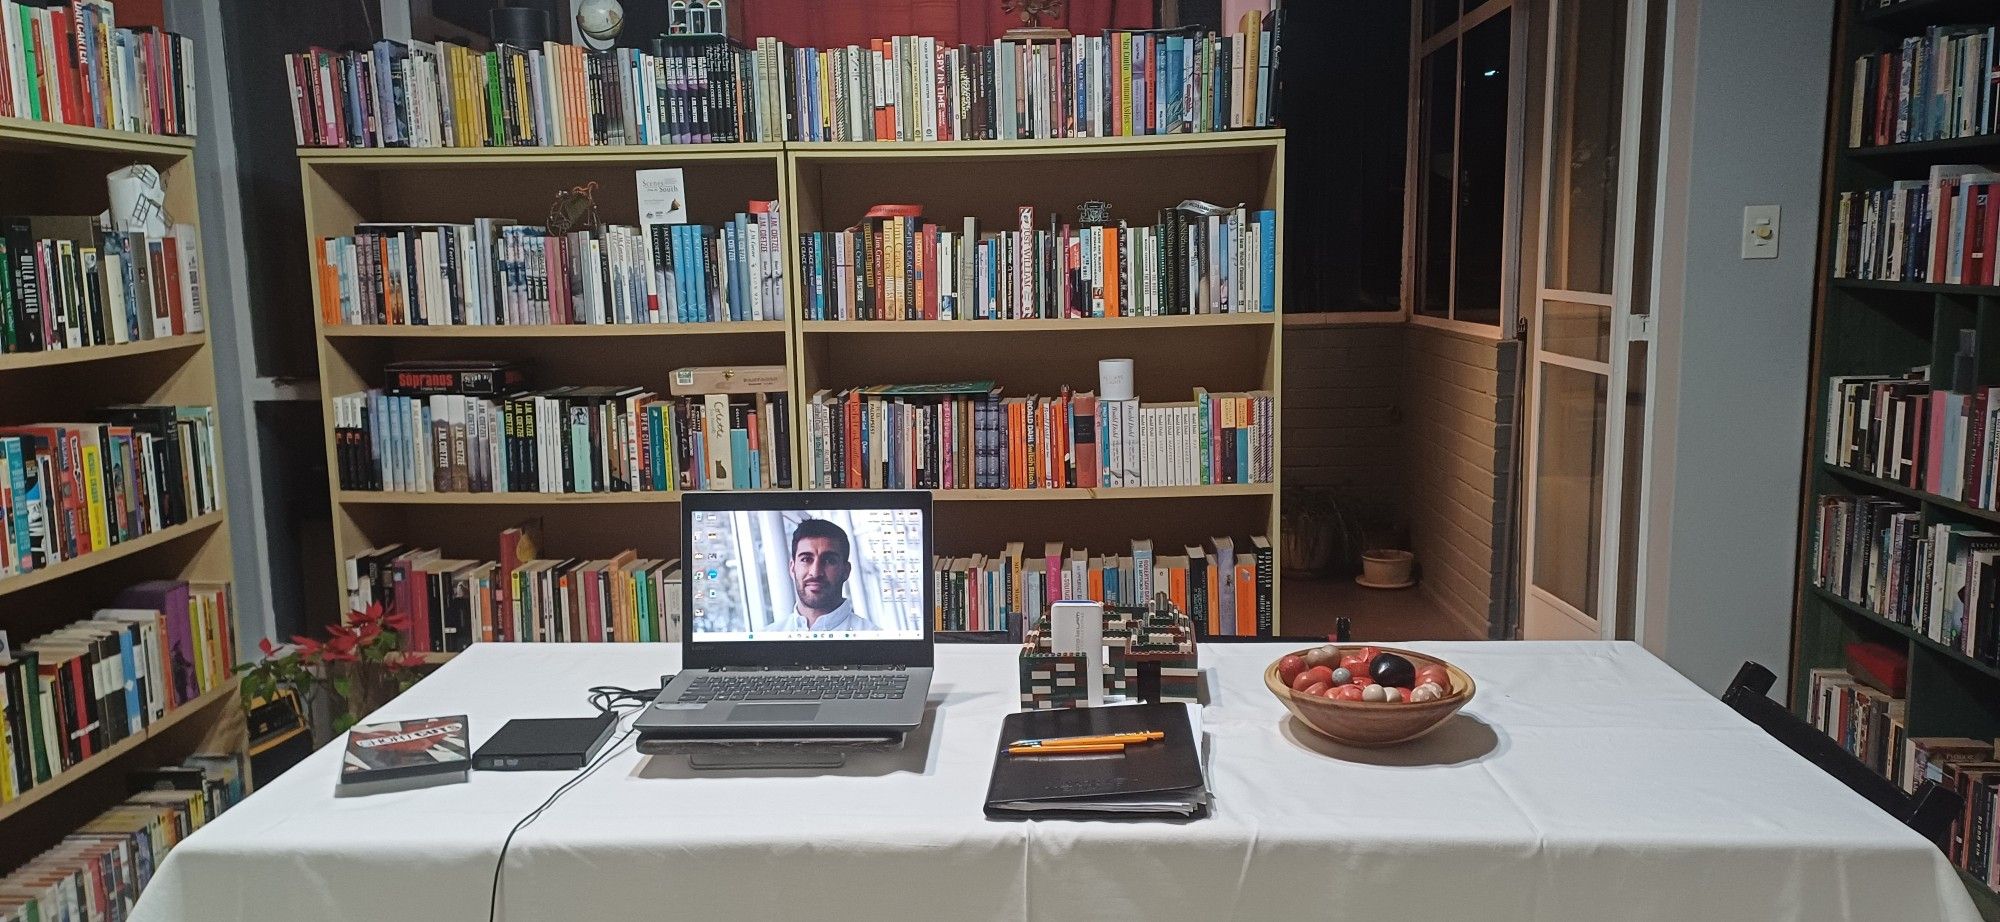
(843, 618)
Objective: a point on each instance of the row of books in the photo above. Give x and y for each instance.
(1936, 86)
(1970, 767)
(969, 436)
(1909, 430)
(517, 597)
(96, 873)
(569, 439)
(67, 489)
(69, 282)
(696, 90)
(1866, 721)
(1118, 84)
(495, 272)
(71, 63)
(1939, 579)
(688, 90)
(1943, 230)
(75, 692)
(1199, 259)
(1225, 587)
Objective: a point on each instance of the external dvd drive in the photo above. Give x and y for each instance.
(545, 744)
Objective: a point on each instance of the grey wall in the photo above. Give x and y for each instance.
(1746, 90)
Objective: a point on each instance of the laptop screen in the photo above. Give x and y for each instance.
(824, 573)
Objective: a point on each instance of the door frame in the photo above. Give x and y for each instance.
(1624, 334)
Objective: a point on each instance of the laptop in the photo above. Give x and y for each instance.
(809, 617)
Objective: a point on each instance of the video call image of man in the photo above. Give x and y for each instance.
(821, 562)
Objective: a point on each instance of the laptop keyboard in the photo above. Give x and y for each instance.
(814, 685)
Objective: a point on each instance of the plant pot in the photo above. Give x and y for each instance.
(1383, 568)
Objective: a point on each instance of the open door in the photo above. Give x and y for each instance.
(1588, 335)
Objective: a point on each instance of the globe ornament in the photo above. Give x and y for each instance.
(599, 22)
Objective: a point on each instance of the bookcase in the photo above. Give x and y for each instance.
(1888, 326)
(834, 183)
(820, 186)
(59, 169)
(345, 187)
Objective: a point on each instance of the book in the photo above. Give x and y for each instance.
(107, 860)
(566, 439)
(971, 435)
(1156, 778)
(493, 271)
(68, 281)
(401, 754)
(520, 596)
(1010, 591)
(1864, 721)
(1940, 230)
(680, 90)
(463, 377)
(71, 488)
(71, 63)
(1062, 270)
(81, 688)
(1935, 86)
(915, 88)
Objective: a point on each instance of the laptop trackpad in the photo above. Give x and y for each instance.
(773, 713)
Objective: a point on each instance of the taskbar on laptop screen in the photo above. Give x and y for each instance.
(725, 636)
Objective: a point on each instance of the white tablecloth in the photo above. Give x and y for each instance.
(1585, 782)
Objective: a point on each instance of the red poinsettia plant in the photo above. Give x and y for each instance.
(359, 666)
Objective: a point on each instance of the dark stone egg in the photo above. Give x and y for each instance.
(1390, 669)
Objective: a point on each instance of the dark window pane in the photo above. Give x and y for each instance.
(1438, 14)
(1349, 179)
(1482, 169)
(1590, 68)
(1434, 182)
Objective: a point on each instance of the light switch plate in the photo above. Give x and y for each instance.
(1760, 232)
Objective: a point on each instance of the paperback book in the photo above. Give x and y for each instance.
(682, 90)
(886, 437)
(1224, 585)
(518, 596)
(70, 488)
(1196, 259)
(493, 272)
(96, 873)
(74, 692)
(405, 754)
(72, 64)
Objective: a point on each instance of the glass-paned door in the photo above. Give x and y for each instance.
(1584, 343)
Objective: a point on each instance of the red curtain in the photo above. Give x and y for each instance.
(833, 23)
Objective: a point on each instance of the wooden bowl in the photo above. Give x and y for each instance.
(1373, 724)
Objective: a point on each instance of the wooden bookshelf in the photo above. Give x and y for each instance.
(21, 134)
(821, 186)
(22, 582)
(1889, 327)
(69, 164)
(558, 330)
(91, 354)
(832, 184)
(344, 187)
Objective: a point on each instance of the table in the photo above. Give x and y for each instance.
(1587, 781)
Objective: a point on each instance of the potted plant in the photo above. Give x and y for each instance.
(355, 670)
(1317, 533)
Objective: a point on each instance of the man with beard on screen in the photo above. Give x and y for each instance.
(821, 562)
